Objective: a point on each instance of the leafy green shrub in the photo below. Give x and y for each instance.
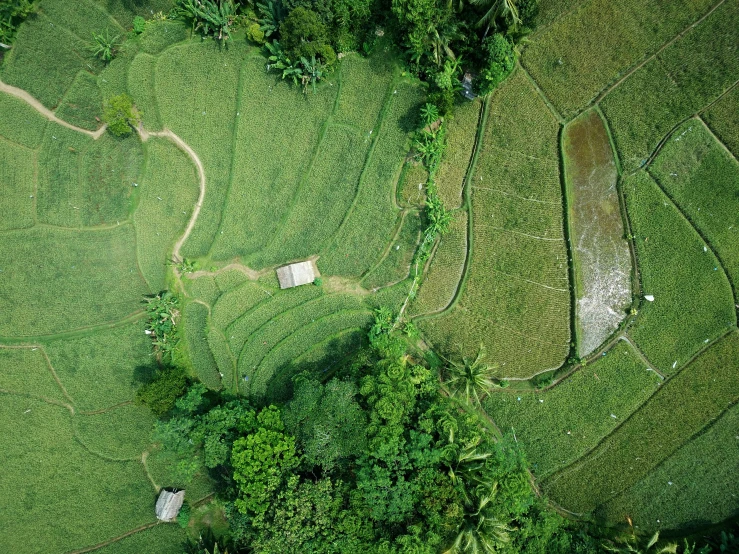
(211, 17)
(103, 46)
(12, 14)
(139, 24)
(304, 35)
(121, 115)
(318, 281)
(499, 62)
(183, 518)
(161, 394)
(162, 315)
(255, 33)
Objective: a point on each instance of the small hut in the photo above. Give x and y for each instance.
(169, 504)
(294, 275)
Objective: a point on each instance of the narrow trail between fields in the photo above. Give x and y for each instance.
(47, 113)
(115, 539)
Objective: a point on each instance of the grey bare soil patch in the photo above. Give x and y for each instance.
(601, 254)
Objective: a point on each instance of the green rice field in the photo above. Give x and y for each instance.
(593, 253)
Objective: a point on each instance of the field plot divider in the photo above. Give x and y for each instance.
(467, 206)
(398, 229)
(708, 127)
(376, 130)
(115, 539)
(567, 230)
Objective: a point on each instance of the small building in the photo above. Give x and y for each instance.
(169, 504)
(294, 275)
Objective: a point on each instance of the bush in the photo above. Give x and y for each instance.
(121, 115)
(499, 62)
(255, 33)
(161, 394)
(139, 24)
(304, 35)
(12, 14)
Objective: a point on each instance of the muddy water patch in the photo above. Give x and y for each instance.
(600, 252)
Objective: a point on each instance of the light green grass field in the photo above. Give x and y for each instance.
(703, 179)
(396, 265)
(82, 105)
(140, 85)
(165, 538)
(25, 372)
(195, 316)
(682, 407)
(20, 123)
(17, 185)
(693, 302)
(604, 39)
(120, 433)
(559, 425)
(461, 131)
(723, 119)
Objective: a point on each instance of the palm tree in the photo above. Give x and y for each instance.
(631, 546)
(496, 9)
(472, 377)
(480, 531)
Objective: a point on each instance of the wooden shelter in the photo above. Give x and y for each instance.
(294, 275)
(169, 504)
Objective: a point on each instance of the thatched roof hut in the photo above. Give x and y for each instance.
(169, 504)
(300, 273)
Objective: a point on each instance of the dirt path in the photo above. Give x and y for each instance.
(47, 113)
(114, 539)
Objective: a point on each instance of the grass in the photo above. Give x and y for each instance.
(516, 298)
(396, 265)
(701, 177)
(92, 279)
(236, 302)
(603, 40)
(223, 357)
(141, 88)
(460, 138)
(230, 279)
(124, 10)
(196, 87)
(85, 498)
(121, 433)
(165, 538)
(679, 82)
(696, 486)
(682, 407)
(411, 186)
(104, 368)
(693, 303)
(160, 35)
(558, 426)
(369, 225)
(445, 271)
(195, 317)
(46, 59)
(723, 119)
(334, 174)
(601, 254)
(166, 194)
(364, 82)
(20, 123)
(17, 185)
(82, 105)
(24, 371)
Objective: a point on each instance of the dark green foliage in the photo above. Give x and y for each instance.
(304, 35)
(161, 394)
(162, 312)
(139, 24)
(103, 46)
(121, 115)
(12, 14)
(499, 60)
(210, 17)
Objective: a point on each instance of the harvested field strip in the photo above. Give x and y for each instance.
(353, 249)
(298, 342)
(45, 60)
(445, 272)
(197, 86)
(196, 334)
(43, 455)
(723, 120)
(93, 279)
(559, 425)
(18, 169)
(702, 178)
(270, 158)
(608, 38)
(266, 337)
(19, 121)
(236, 302)
(326, 193)
(460, 138)
(396, 265)
(239, 331)
(166, 193)
(601, 255)
(121, 434)
(676, 84)
(693, 302)
(695, 486)
(518, 245)
(681, 408)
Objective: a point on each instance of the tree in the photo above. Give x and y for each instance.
(499, 61)
(505, 9)
(161, 394)
(304, 35)
(472, 378)
(12, 14)
(121, 115)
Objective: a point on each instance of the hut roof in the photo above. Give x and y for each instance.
(300, 273)
(169, 504)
